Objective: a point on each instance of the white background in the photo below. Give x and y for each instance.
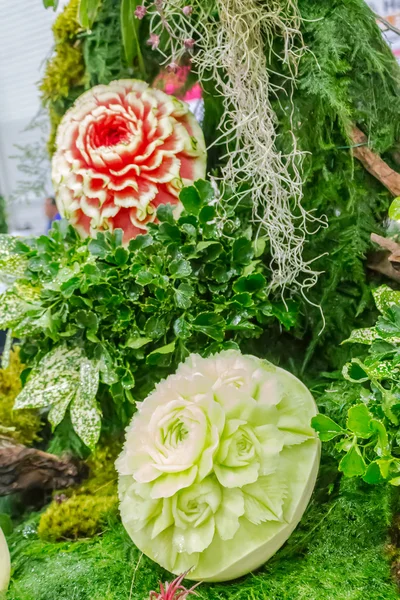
(26, 41)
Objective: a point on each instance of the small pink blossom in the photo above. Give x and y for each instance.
(173, 590)
(187, 10)
(173, 67)
(154, 41)
(140, 11)
(189, 43)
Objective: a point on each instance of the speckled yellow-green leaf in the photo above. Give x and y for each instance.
(85, 414)
(385, 297)
(12, 264)
(15, 302)
(53, 383)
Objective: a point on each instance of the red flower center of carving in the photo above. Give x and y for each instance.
(109, 131)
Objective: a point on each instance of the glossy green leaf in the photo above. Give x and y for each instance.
(359, 421)
(211, 325)
(180, 268)
(373, 474)
(121, 256)
(182, 328)
(191, 200)
(394, 209)
(156, 357)
(327, 428)
(382, 447)
(251, 283)
(184, 295)
(137, 342)
(242, 251)
(353, 463)
(205, 190)
(165, 214)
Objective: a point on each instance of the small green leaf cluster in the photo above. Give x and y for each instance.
(188, 285)
(370, 438)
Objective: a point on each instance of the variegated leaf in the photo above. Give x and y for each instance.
(15, 302)
(363, 336)
(58, 410)
(12, 264)
(358, 371)
(5, 358)
(381, 369)
(55, 379)
(85, 414)
(385, 297)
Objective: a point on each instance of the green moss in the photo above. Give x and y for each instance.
(338, 553)
(66, 26)
(82, 512)
(21, 425)
(75, 517)
(65, 71)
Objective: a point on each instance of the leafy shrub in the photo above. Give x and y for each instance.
(135, 312)
(368, 434)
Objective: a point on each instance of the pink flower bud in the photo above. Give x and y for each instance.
(187, 10)
(140, 11)
(154, 41)
(189, 43)
(173, 67)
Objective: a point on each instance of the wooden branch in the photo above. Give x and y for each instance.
(387, 262)
(23, 469)
(373, 163)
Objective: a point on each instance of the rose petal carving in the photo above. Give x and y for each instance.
(122, 150)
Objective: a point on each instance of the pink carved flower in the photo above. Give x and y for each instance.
(122, 150)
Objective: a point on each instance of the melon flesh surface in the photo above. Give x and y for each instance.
(5, 564)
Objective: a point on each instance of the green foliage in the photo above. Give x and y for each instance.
(22, 425)
(348, 77)
(130, 315)
(336, 553)
(102, 49)
(87, 12)
(368, 440)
